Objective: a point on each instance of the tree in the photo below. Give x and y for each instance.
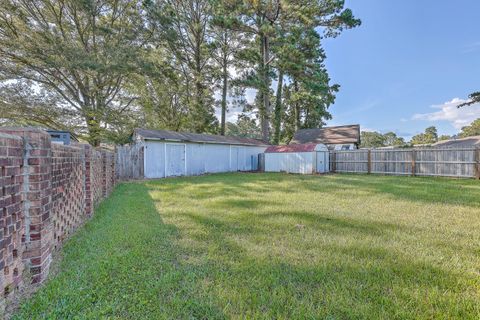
(372, 139)
(444, 137)
(184, 34)
(309, 93)
(391, 139)
(428, 137)
(244, 127)
(80, 53)
(473, 99)
(471, 130)
(267, 21)
(227, 43)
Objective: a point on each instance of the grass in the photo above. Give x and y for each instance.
(273, 246)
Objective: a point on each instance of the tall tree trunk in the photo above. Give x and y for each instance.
(224, 97)
(94, 130)
(297, 107)
(266, 89)
(278, 108)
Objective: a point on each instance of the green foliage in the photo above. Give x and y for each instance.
(284, 41)
(471, 130)
(391, 139)
(376, 140)
(79, 53)
(372, 139)
(444, 137)
(244, 127)
(263, 246)
(428, 137)
(100, 68)
(474, 98)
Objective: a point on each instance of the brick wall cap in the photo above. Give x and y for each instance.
(9, 136)
(66, 147)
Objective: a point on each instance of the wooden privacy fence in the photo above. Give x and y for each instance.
(129, 162)
(445, 162)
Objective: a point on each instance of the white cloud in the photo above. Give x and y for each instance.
(458, 117)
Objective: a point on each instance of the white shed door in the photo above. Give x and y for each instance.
(236, 159)
(322, 161)
(175, 160)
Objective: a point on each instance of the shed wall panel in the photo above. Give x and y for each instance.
(195, 159)
(202, 158)
(299, 162)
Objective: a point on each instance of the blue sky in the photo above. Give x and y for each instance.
(407, 65)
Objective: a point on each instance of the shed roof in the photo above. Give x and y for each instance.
(168, 135)
(328, 135)
(306, 147)
(473, 141)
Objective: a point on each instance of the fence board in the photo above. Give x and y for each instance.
(446, 162)
(129, 162)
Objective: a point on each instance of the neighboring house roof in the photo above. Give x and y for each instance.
(195, 137)
(308, 147)
(328, 135)
(468, 142)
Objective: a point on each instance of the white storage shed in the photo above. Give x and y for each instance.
(171, 153)
(297, 158)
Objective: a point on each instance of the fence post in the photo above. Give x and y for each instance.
(334, 161)
(413, 162)
(369, 168)
(477, 163)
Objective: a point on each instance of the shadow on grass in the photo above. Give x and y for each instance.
(418, 189)
(346, 281)
(351, 279)
(128, 263)
(122, 264)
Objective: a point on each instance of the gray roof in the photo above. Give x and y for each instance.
(168, 135)
(328, 135)
(468, 142)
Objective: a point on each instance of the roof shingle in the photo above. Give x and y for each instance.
(196, 137)
(308, 147)
(468, 142)
(328, 135)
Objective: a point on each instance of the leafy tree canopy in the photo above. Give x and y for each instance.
(428, 137)
(372, 139)
(471, 130)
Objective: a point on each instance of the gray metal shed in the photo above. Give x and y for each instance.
(170, 153)
(297, 158)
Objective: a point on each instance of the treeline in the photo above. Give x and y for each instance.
(102, 67)
(373, 139)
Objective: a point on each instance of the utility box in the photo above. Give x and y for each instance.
(61, 137)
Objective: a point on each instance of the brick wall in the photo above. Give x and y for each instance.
(12, 226)
(46, 192)
(68, 190)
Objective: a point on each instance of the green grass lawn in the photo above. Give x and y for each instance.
(273, 246)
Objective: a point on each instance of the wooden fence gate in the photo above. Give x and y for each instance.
(129, 162)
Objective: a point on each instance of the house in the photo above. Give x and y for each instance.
(171, 153)
(335, 138)
(297, 158)
(468, 142)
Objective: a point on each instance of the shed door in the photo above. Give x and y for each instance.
(234, 158)
(322, 161)
(237, 158)
(174, 160)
